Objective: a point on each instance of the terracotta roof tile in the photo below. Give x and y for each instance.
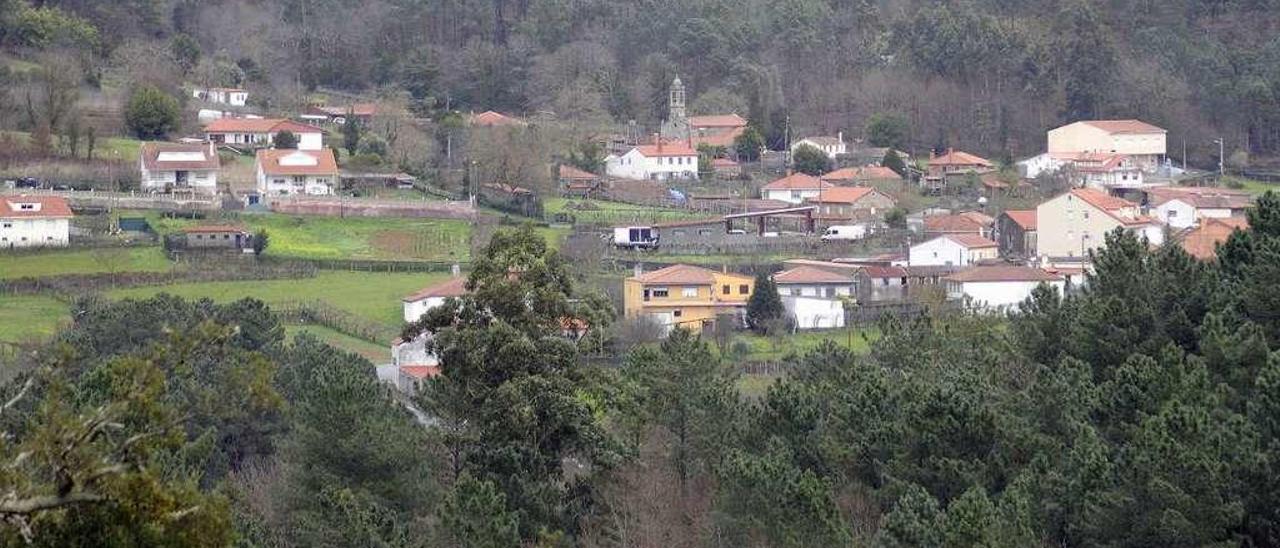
(798, 181)
(258, 125)
(810, 275)
(453, 287)
(1202, 242)
(864, 173)
(421, 371)
(1025, 218)
(971, 241)
(959, 158)
(270, 162)
(1203, 197)
(679, 274)
(1003, 274)
(949, 224)
(46, 207)
(666, 149)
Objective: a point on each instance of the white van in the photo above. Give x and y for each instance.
(845, 232)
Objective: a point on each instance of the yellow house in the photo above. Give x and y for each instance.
(686, 296)
(1077, 221)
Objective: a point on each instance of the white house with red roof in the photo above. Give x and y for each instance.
(1074, 222)
(1142, 142)
(656, 162)
(1185, 207)
(1001, 286)
(284, 172)
(175, 166)
(953, 250)
(831, 145)
(794, 188)
(34, 221)
(260, 132)
(813, 297)
(422, 301)
(235, 97)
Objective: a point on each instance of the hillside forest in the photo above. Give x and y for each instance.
(989, 76)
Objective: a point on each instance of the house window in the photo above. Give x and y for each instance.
(26, 206)
(795, 194)
(689, 292)
(660, 293)
(277, 181)
(1085, 213)
(743, 289)
(726, 290)
(675, 313)
(8, 225)
(1173, 213)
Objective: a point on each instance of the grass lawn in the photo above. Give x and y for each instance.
(104, 148)
(372, 296)
(24, 318)
(351, 238)
(82, 261)
(372, 352)
(1252, 186)
(776, 348)
(755, 386)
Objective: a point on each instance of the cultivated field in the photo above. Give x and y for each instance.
(27, 318)
(82, 261)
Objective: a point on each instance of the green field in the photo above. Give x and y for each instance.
(372, 352)
(372, 296)
(1252, 186)
(82, 261)
(350, 238)
(778, 347)
(24, 318)
(105, 148)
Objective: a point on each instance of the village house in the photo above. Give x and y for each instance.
(422, 301)
(839, 204)
(1202, 241)
(576, 182)
(1143, 143)
(1076, 221)
(952, 250)
(283, 172)
(686, 296)
(794, 188)
(969, 222)
(999, 287)
(1185, 207)
(862, 176)
(1101, 170)
(831, 146)
(657, 162)
(218, 237)
(34, 221)
(235, 97)
(1016, 233)
(166, 167)
(814, 297)
(957, 162)
(260, 132)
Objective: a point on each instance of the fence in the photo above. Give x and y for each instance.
(359, 265)
(333, 206)
(321, 313)
(128, 200)
(70, 285)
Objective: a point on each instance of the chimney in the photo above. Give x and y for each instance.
(637, 270)
(456, 270)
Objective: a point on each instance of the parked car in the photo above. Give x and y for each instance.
(27, 182)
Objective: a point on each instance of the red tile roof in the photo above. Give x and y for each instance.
(971, 241)
(717, 120)
(716, 138)
(421, 371)
(680, 274)
(1111, 205)
(978, 217)
(1203, 197)
(490, 118)
(1123, 126)
(48, 207)
(1202, 242)
(948, 224)
(1025, 218)
(798, 181)
(269, 160)
(454, 287)
(865, 173)
(843, 195)
(1003, 274)
(959, 158)
(810, 275)
(258, 125)
(666, 149)
(150, 153)
(569, 172)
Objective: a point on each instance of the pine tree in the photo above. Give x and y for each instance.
(764, 308)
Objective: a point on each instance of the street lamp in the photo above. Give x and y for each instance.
(1222, 170)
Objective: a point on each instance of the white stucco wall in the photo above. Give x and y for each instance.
(814, 312)
(790, 195)
(939, 251)
(1176, 213)
(998, 294)
(34, 233)
(414, 310)
(634, 165)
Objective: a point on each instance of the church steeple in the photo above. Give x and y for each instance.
(676, 113)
